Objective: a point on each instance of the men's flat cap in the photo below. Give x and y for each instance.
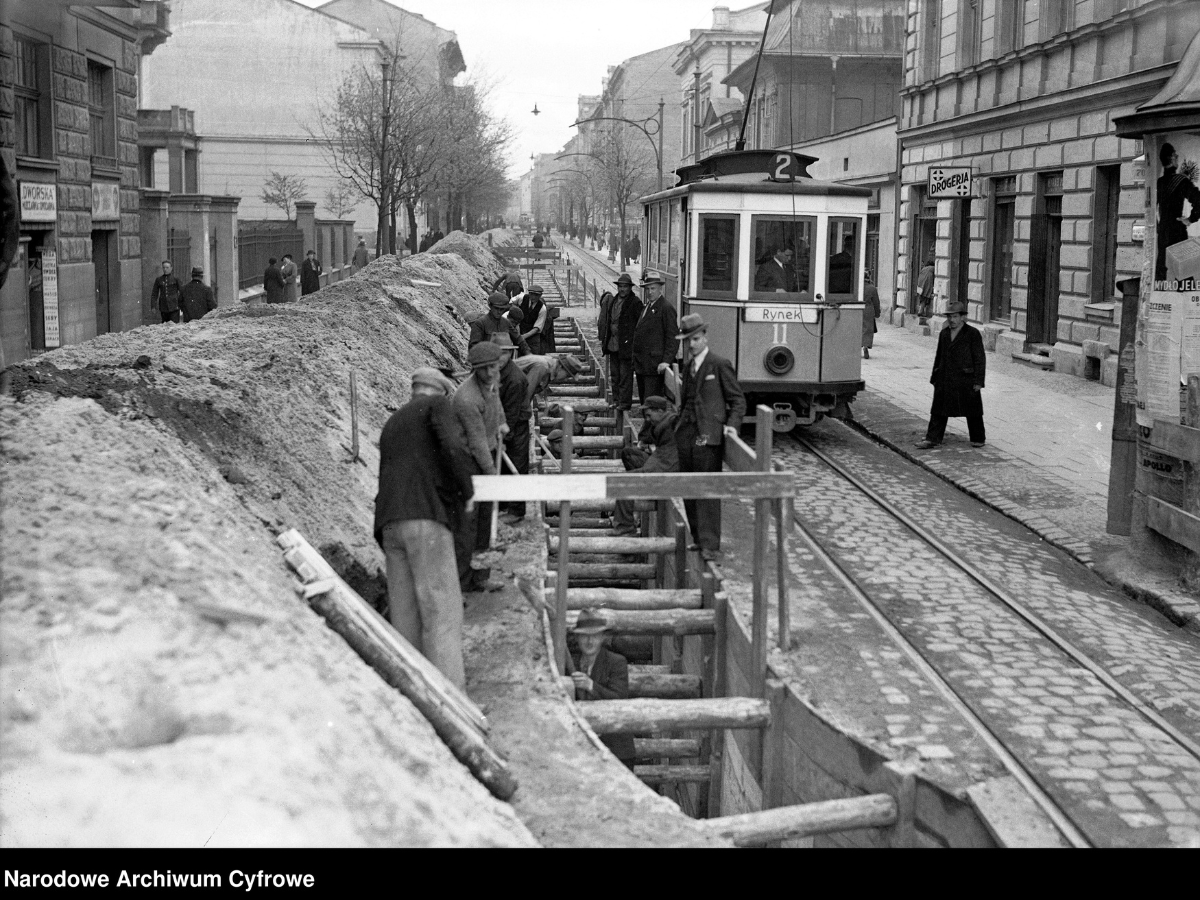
(956, 307)
(483, 354)
(430, 378)
(690, 324)
(571, 364)
(196, 270)
(657, 403)
(653, 278)
(503, 340)
(497, 300)
(536, 289)
(624, 279)
(590, 622)
(515, 315)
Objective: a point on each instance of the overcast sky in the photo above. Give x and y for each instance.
(549, 52)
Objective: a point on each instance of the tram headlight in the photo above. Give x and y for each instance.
(779, 360)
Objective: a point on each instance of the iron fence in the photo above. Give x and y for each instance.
(258, 242)
(179, 252)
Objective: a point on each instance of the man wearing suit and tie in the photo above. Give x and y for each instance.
(713, 406)
(654, 343)
(776, 274)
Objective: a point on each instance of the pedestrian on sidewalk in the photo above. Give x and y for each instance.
(871, 312)
(196, 300)
(712, 410)
(656, 452)
(165, 293)
(654, 344)
(287, 268)
(424, 477)
(273, 281)
(481, 414)
(514, 397)
(361, 256)
(957, 379)
(925, 289)
(310, 274)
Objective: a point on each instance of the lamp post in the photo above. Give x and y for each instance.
(656, 121)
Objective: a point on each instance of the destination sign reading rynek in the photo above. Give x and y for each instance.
(796, 313)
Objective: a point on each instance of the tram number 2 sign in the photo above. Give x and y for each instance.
(785, 167)
(949, 182)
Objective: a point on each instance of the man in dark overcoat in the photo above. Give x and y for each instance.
(273, 281)
(494, 320)
(624, 314)
(310, 274)
(600, 674)
(165, 294)
(957, 379)
(424, 482)
(712, 409)
(654, 344)
(196, 300)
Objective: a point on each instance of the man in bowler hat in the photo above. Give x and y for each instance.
(958, 370)
(654, 344)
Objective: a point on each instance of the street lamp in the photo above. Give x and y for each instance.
(643, 127)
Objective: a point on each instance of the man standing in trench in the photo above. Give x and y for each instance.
(514, 397)
(423, 471)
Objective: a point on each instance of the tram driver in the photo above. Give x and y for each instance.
(776, 274)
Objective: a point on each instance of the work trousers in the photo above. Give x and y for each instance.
(620, 377)
(937, 429)
(169, 316)
(623, 517)
(651, 385)
(704, 516)
(472, 532)
(516, 445)
(425, 602)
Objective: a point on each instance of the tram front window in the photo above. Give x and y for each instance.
(843, 261)
(783, 258)
(718, 256)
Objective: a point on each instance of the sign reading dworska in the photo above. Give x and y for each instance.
(39, 202)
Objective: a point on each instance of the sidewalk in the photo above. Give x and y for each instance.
(1046, 463)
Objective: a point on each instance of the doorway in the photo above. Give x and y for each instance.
(1003, 226)
(1045, 261)
(101, 264)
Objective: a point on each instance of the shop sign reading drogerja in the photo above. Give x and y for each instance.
(949, 182)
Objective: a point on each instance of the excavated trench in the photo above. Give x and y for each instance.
(160, 681)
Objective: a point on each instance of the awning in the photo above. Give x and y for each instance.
(1175, 108)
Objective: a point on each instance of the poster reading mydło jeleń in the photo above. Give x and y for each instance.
(1168, 326)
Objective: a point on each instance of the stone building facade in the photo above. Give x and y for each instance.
(68, 131)
(1023, 93)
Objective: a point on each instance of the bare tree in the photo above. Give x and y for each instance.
(283, 191)
(625, 169)
(341, 199)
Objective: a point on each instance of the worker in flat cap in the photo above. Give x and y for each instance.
(654, 344)
(424, 487)
(711, 410)
(514, 397)
(618, 319)
(600, 674)
(656, 452)
(495, 320)
(196, 299)
(536, 319)
(481, 414)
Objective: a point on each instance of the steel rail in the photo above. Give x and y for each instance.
(1016, 606)
(1014, 766)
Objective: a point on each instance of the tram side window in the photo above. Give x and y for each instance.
(843, 277)
(783, 249)
(676, 237)
(718, 255)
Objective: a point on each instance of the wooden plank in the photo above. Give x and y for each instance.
(666, 748)
(600, 442)
(1011, 816)
(676, 622)
(612, 598)
(663, 687)
(1173, 523)
(631, 545)
(791, 822)
(762, 533)
(1179, 441)
(611, 571)
(634, 716)
(673, 774)
(658, 486)
(739, 457)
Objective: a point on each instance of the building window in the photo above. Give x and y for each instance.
(872, 263)
(32, 106)
(968, 33)
(101, 111)
(1056, 18)
(146, 167)
(1107, 200)
(1010, 26)
(1003, 230)
(931, 39)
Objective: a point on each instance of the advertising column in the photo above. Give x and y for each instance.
(39, 207)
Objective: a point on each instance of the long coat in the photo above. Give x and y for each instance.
(310, 276)
(610, 681)
(627, 319)
(959, 366)
(423, 436)
(481, 414)
(870, 313)
(654, 337)
(287, 269)
(196, 300)
(719, 400)
(273, 284)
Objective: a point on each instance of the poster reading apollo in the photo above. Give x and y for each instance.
(1168, 327)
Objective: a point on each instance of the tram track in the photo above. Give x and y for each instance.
(1043, 784)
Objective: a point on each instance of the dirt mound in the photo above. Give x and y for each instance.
(161, 682)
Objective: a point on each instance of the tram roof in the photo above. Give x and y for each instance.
(758, 184)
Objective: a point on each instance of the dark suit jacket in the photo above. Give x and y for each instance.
(273, 284)
(631, 311)
(719, 399)
(654, 337)
(771, 277)
(485, 326)
(196, 300)
(958, 366)
(310, 276)
(424, 471)
(610, 677)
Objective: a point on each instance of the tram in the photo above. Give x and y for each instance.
(773, 260)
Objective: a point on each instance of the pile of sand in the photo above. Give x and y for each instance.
(162, 684)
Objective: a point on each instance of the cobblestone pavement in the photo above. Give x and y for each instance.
(1046, 462)
(1121, 779)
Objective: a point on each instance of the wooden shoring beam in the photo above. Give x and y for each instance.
(666, 748)
(611, 598)
(637, 716)
(805, 820)
(673, 774)
(658, 486)
(677, 622)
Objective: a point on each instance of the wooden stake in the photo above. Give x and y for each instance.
(564, 542)
(762, 524)
(353, 417)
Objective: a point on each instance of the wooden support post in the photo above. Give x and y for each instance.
(762, 523)
(904, 831)
(782, 526)
(564, 535)
(715, 683)
(773, 763)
